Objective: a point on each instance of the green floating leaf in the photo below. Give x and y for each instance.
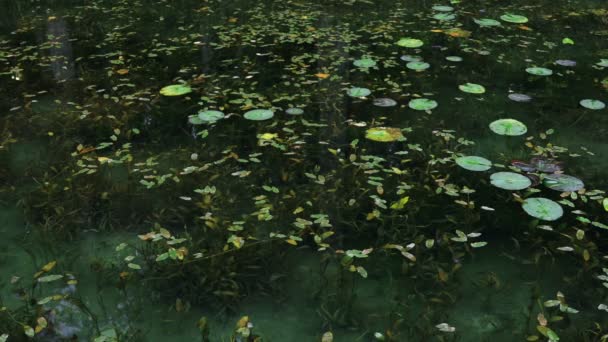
(543, 208)
(561, 182)
(423, 104)
(384, 134)
(176, 90)
(294, 111)
(472, 88)
(454, 58)
(605, 203)
(514, 18)
(259, 114)
(49, 278)
(478, 244)
(485, 22)
(509, 127)
(358, 92)
(538, 71)
(365, 63)
(418, 66)
(444, 16)
(568, 41)
(206, 116)
(410, 42)
(510, 181)
(443, 8)
(474, 163)
(592, 104)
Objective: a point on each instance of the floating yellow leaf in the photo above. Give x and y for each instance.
(49, 266)
(401, 203)
(122, 71)
(525, 28)
(322, 75)
(292, 242)
(458, 33)
(268, 136)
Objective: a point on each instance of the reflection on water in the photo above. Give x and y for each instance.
(142, 200)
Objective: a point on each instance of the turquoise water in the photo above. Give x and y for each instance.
(130, 212)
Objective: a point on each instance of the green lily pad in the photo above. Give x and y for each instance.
(538, 71)
(593, 104)
(410, 42)
(510, 180)
(423, 104)
(176, 90)
(418, 66)
(358, 92)
(474, 163)
(454, 58)
(259, 114)
(510, 127)
(486, 22)
(365, 63)
(543, 208)
(210, 115)
(444, 16)
(384, 134)
(443, 8)
(514, 18)
(472, 88)
(603, 63)
(561, 182)
(294, 111)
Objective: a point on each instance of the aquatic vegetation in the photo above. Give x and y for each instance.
(593, 104)
(423, 104)
(384, 134)
(472, 88)
(176, 90)
(474, 163)
(543, 208)
(358, 92)
(510, 127)
(259, 114)
(410, 42)
(510, 181)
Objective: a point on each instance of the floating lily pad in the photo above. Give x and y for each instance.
(384, 102)
(410, 42)
(592, 104)
(443, 8)
(195, 120)
(510, 180)
(384, 134)
(561, 182)
(423, 104)
(472, 88)
(603, 63)
(209, 116)
(474, 163)
(358, 92)
(486, 22)
(176, 90)
(543, 208)
(410, 58)
(294, 111)
(546, 165)
(365, 63)
(444, 16)
(514, 18)
(510, 127)
(520, 97)
(418, 66)
(538, 71)
(566, 62)
(454, 58)
(259, 114)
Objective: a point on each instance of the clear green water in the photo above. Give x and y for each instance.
(258, 217)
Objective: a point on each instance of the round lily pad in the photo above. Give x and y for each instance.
(384, 102)
(418, 66)
(510, 127)
(603, 62)
(358, 92)
(410, 42)
(474, 163)
(259, 114)
(443, 8)
(486, 22)
(294, 111)
(472, 88)
(454, 58)
(210, 115)
(543, 208)
(561, 182)
(176, 90)
(444, 16)
(195, 120)
(423, 104)
(538, 71)
(566, 62)
(514, 18)
(510, 180)
(592, 104)
(410, 58)
(384, 134)
(365, 63)
(520, 97)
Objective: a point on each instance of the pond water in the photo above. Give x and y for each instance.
(305, 170)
